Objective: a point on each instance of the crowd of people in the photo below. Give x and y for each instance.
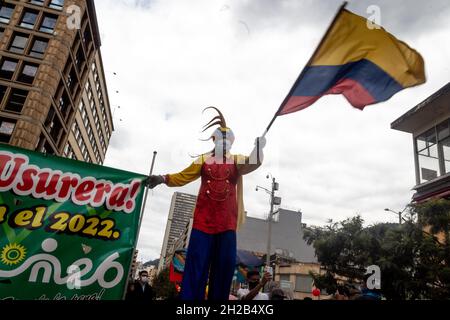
(141, 290)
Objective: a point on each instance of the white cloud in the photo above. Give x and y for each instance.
(173, 58)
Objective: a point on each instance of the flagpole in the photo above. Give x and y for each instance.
(146, 187)
(342, 7)
(139, 225)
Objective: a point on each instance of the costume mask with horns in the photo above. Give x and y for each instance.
(223, 137)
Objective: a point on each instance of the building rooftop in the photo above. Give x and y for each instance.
(287, 237)
(425, 112)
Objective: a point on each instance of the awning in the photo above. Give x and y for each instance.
(248, 259)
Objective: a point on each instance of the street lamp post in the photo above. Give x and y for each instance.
(399, 213)
(273, 201)
(269, 236)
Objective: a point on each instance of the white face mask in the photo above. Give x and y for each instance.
(220, 145)
(144, 279)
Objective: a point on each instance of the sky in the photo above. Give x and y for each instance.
(165, 61)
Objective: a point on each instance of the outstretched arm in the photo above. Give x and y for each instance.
(189, 174)
(254, 292)
(248, 164)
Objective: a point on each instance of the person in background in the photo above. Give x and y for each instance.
(366, 293)
(130, 291)
(277, 294)
(232, 297)
(342, 293)
(140, 290)
(353, 291)
(255, 284)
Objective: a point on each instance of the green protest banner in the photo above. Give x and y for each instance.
(67, 228)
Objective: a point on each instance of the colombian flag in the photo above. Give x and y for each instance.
(366, 65)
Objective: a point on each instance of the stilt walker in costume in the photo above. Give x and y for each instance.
(219, 212)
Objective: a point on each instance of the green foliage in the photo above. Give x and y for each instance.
(413, 263)
(162, 287)
(326, 281)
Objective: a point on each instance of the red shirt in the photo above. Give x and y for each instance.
(216, 210)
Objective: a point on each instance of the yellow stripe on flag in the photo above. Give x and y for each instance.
(351, 40)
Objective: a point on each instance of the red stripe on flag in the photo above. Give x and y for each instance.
(296, 103)
(353, 91)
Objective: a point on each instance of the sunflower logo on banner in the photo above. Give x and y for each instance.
(12, 254)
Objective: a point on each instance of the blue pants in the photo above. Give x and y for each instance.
(212, 255)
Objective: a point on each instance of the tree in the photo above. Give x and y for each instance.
(414, 264)
(163, 288)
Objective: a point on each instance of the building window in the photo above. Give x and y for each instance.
(64, 104)
(6, 11)
(85, 121)
(443, 132)
(87, 38)
(303, 283)
(102, 142)
(108, 133)
(2, 93)
(54, 126)
(68, 151)
(72, 80)
(48, 23)
(37, 2)
(8, 68)
(29, 19)
(433, 152)
(79, 58)
(44, 146)
(77, 134)
(6, 129)
(16, 100)
(446, 154)
(19, 43)
(84, 117)
(56, 4)
(285, 277)
(87, 35)
(38, 48)
(28, 73)
(2, 30)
